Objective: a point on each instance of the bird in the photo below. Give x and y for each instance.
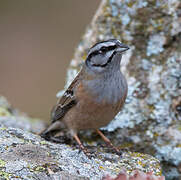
(95, 96)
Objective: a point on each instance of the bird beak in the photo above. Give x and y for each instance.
(121, 48)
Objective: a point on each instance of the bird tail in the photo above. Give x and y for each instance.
(48, 132)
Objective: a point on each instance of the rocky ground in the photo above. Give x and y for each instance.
(150, 122)
(25, 155)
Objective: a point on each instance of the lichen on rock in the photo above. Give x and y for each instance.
(27, 156)
(10, 117)
(150, 121)
(24, 155)
(152, 113)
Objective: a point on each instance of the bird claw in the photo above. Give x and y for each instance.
(86, 152)
(119, 153)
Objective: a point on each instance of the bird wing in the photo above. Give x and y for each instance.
(67, 101)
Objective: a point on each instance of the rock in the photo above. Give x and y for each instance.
(24, 155)
(10, 117)
(150, 121)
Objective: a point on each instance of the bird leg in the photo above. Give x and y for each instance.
(82, 146)
(108, 142)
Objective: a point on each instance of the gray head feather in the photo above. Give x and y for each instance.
(101, 56)
(103, 61)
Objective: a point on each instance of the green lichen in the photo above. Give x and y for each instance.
(3, 129)
(36, 168)
(4, 175)
(141, 164)
(179, 128)
(130, 4)
(4, 112)
(141, 161)
(101, 167)
(115, 32)
(43, 142)
(178, 145)
(84, 55)
(155, 134)
(39, 169)
(2, 163)
(126, 145)
(137, 154)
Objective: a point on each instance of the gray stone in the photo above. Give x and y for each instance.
(24, 155)
(10, 117)
(27, 156)
(150, 121)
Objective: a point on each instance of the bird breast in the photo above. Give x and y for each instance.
(110, 89)
(97, 103)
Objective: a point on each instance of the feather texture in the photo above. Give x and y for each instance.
(67, 101)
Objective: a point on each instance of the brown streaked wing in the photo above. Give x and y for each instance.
(67, 101)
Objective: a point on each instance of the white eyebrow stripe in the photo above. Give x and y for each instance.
(99, 46)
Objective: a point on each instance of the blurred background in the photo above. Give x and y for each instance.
(37, 42)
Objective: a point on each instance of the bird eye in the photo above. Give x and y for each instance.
(103, 49)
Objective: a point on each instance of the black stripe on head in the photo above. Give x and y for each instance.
(109, 60)
(102, 50)
(103, 46)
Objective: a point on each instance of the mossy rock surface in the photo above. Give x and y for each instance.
(151, 117)
(27, 156)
